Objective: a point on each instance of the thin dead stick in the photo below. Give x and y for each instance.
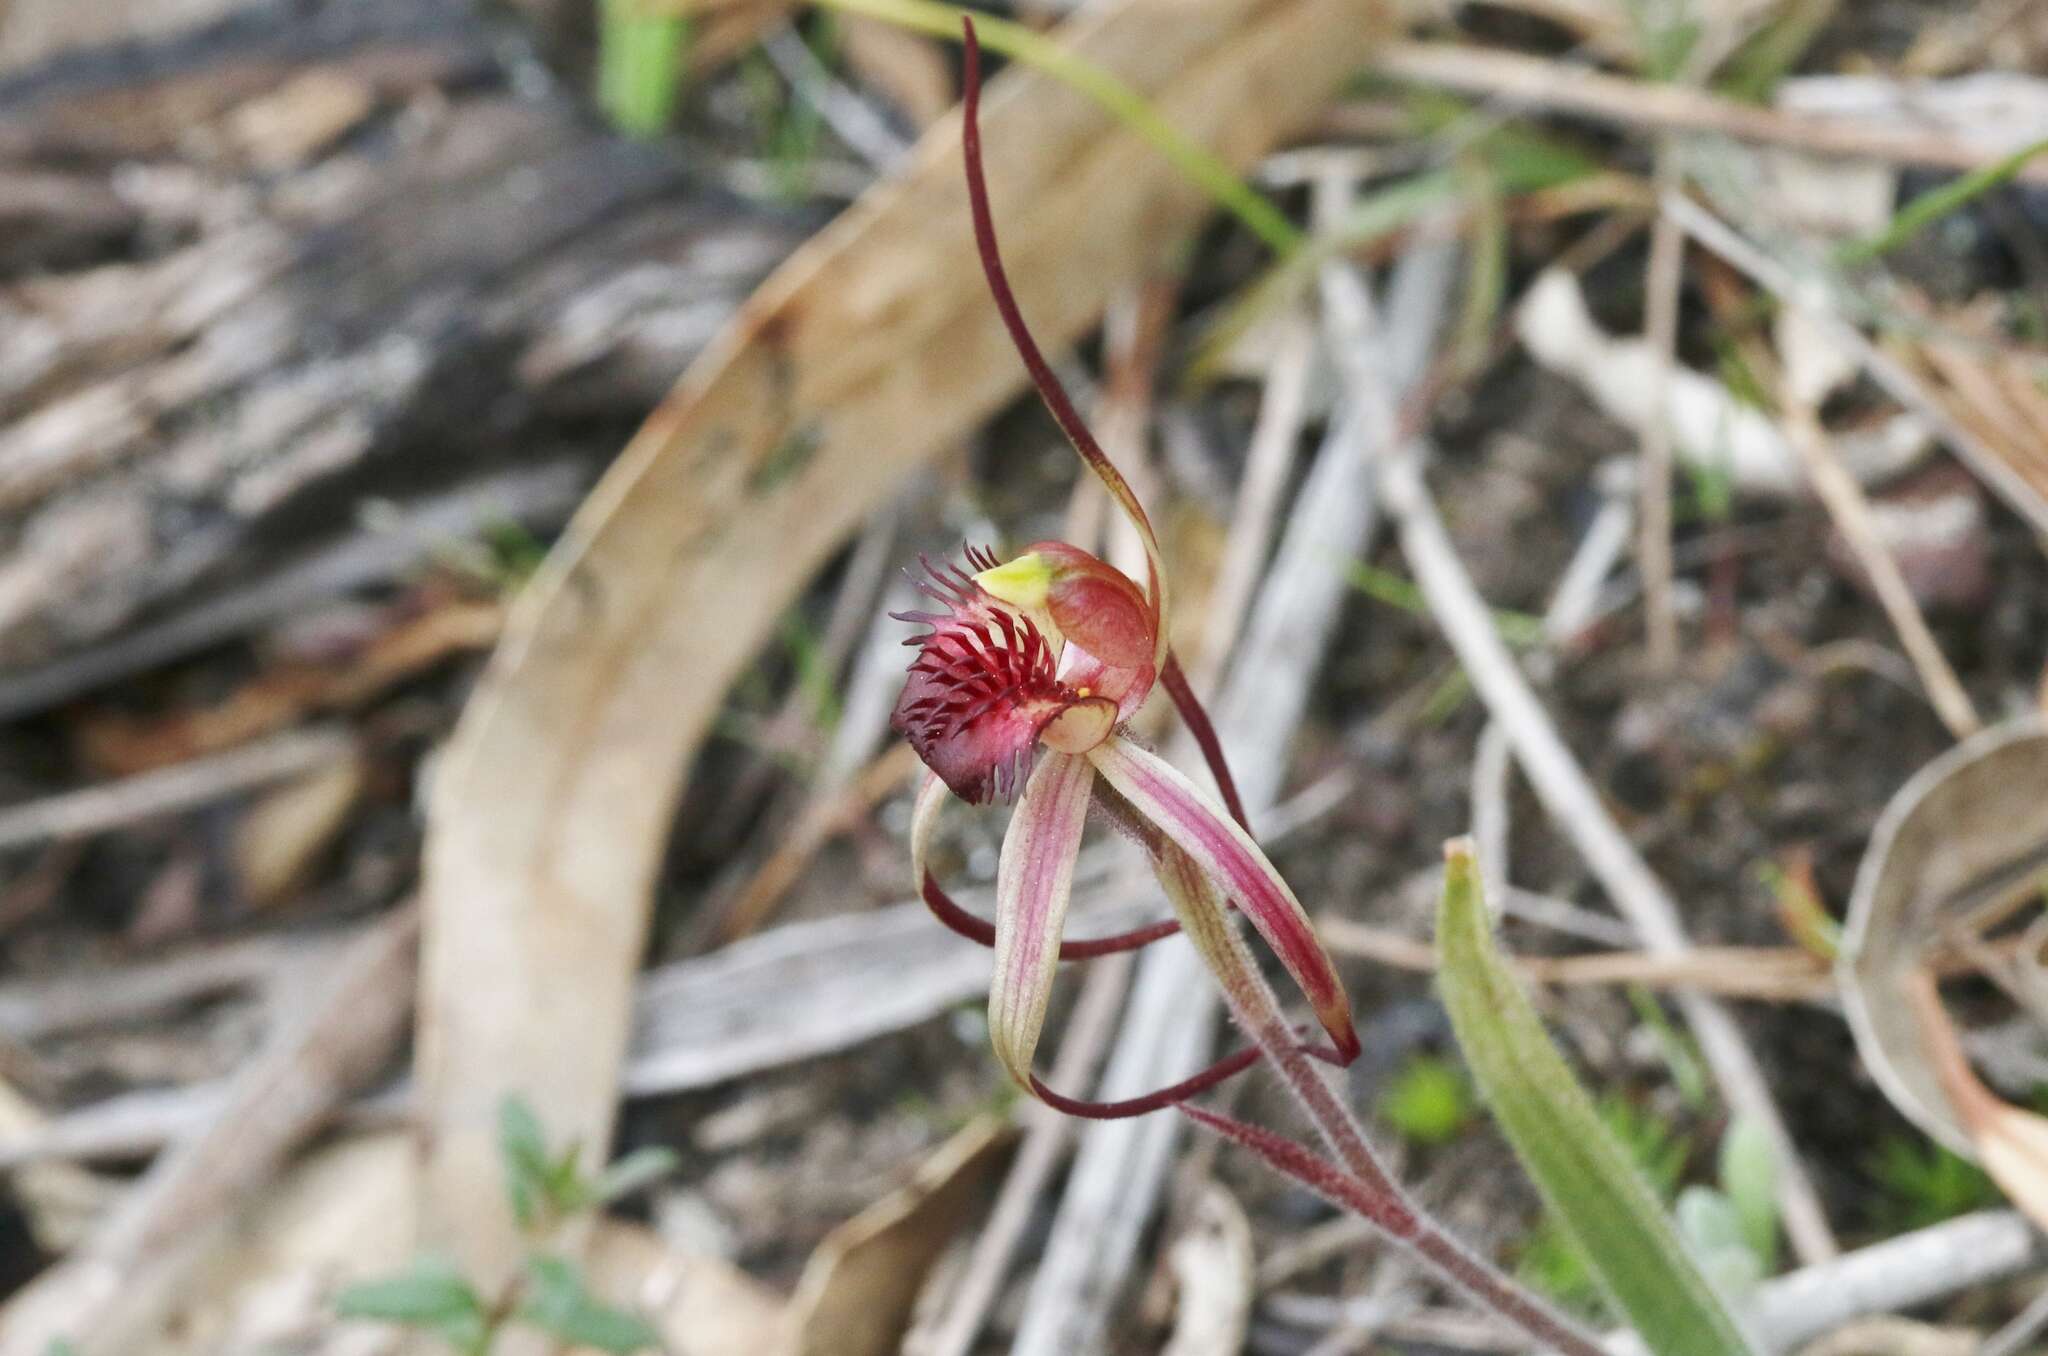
(1846, 504)
(1572, 608)
(1653, 484)
(856, 121)
(1813, 366)
(1046, 1137)
(820, 821)
(2024, 1327)
(1491, 820)
(1537, 83)
(1134, 332)
(1268, 460)
(97, 809)
(1768, 974)
(1576, 808)
(1900, 1273)
(32, 1009)
(852, 616)
(1812, 295)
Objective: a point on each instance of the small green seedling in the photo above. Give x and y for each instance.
(546, 1189)
(1429, 1101)
(1733, 1228)
(1921, 1183)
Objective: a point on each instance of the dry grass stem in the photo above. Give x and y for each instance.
(1765, 974)
(1813, 296)
(98, 809)
(1850, 510)
(1576, 808)
(1540, 83)
(1653, 484)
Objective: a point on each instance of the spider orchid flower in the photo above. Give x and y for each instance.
(1023, 683)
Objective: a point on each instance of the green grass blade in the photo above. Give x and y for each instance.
(1937, 203)
(640, 57)
(1258, 212)
(1583, 1173)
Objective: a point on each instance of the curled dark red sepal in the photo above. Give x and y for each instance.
(978, 929)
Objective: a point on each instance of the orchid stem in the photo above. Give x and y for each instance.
(1365, 1186)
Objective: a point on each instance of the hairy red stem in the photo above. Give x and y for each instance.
(1359, 1182)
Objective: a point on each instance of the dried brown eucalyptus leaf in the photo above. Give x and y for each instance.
(2011, 1142)
(858, 1287)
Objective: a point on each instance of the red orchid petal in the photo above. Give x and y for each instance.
(1034, 882)
(981, 691)
(1227, 853)
(1049, 389)
(1096, 605)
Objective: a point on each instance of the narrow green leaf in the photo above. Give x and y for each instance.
(557, 1303)
(529, 1171)
(1937, 203)
(640, 61)
(431, 1294)
(567, 1191)
(1201, 166)
(1749, 1175)
(1771, 53)
(1583, 1173)
(1486, 272)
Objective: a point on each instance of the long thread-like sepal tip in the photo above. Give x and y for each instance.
(1057, 402)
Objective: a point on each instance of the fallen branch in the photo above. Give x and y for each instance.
(144, 796)
(108, 1298)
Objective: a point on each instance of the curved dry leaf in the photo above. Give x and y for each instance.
(871, 349)
(1967, 830)
(2011, 1142)
(858, 1288)
(1214, 1271)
